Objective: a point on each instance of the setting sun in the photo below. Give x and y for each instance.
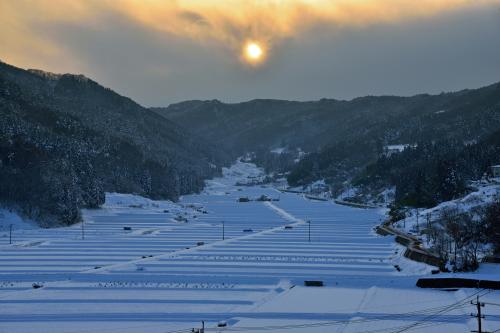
(253, 52)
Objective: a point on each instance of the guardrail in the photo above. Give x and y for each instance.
(457, 283)
(354, 204)
(412, 244)
(312, 197)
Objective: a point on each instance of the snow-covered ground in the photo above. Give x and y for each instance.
(142, 268)
(485, 194)
(9, 219)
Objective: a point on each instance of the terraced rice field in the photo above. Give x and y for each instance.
(164, 276)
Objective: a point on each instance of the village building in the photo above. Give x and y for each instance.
(390, 150)
(495, 171)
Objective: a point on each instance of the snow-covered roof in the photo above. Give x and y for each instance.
(278, 150)
(399, 147)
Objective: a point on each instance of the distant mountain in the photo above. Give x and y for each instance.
(64, 140)
(464, 117)
(340, 137)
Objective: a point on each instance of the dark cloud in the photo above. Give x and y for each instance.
(194, 18)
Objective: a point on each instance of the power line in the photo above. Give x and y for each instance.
(489, 303)
(402, 326)
(430, 312)
(304, 325)
(433, 312)
(337, 322)
(446, 309)
(385, 329)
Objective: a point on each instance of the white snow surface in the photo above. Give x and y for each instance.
(164, 275)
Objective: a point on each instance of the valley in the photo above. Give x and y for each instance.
(139, 268)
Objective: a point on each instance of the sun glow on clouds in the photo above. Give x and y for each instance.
(228, 24)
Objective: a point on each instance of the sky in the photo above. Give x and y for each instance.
(165, 51)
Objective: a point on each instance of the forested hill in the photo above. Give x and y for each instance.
(464, 117)
(64, 140)
(377, 121)
(431, 172)
(340, 137)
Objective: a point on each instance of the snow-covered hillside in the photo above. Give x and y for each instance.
(484, 195)
(460, 232)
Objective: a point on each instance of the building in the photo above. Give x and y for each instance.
(394, 149)
(495, 171)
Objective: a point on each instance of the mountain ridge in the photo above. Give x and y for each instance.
(339, 136)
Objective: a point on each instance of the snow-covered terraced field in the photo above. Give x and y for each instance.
(163, 275)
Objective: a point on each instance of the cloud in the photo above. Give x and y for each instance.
(229, 23)
(194, 18)
(233, 22)
(159, 51)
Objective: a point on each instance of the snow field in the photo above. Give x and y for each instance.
(109, 282)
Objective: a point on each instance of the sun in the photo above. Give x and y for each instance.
(253, 52)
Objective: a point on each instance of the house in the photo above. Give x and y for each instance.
(495, 171)
(394, 149)
(319, 187)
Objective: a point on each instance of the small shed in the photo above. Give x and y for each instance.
(390, 150)
(313, 283)
(495, 171)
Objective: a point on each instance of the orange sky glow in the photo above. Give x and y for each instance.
(228, 23)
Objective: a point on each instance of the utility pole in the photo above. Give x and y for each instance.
(202, 327)
(478, 315)
(417, 221)
(223, 231)
(10, 234)
(309, 233)
(199, 330)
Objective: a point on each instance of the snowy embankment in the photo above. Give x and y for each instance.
(456, 231)
(139, 268)
(486, 194)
